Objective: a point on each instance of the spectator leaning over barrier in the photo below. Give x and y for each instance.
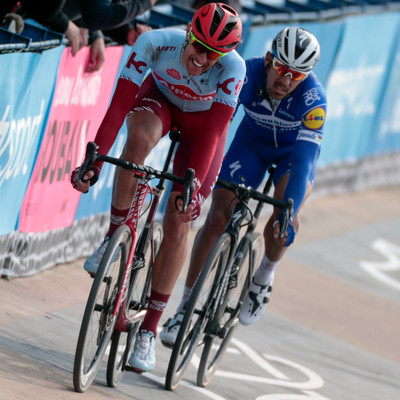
(116, 17)
(51, 14)
(285, 106)
(195, 80)
(83, 20)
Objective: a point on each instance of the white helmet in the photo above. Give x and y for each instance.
(297, 48)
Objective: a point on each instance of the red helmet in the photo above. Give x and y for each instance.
(218, 26)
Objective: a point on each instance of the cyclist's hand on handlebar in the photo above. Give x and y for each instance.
(192, 210)
(88, 179)
(288, 237)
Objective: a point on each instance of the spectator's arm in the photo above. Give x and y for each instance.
(103, 14)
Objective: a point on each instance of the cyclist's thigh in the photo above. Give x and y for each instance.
(193, 134)
(213, 171)
(243, 163)
(150, 99)
(284, 166)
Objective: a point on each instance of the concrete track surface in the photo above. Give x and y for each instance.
(331, 331)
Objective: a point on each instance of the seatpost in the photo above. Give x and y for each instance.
(266, 190)
(174, 135)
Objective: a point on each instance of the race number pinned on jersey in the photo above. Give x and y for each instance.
(315, 118)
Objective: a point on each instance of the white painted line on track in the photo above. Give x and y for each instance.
(377, 269)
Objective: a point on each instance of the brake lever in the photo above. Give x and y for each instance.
(287, 213)
(188, 189)
(90, 158)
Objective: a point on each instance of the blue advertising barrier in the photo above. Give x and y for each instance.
(385, 133)
(359, 66)
(26, 88)
(356, 86)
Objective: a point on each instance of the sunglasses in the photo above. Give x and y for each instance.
(201, 48)
(283, 70)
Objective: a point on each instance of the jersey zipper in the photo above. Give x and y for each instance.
(274, 125)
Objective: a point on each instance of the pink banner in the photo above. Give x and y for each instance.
(79, 104)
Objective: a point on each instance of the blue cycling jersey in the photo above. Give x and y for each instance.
(287, 133)
(161, 50)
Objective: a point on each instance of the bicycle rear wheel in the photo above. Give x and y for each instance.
(98, 319)
(197, 311)
(216, 344)
(139, 290)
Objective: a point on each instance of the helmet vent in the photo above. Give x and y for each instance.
(229, 27)
(216, 21)
(198, 27)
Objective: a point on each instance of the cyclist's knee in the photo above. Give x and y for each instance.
(144, 132)
(217, 218)
(174, 228)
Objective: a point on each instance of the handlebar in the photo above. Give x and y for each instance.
(243, 193)
(92, 155)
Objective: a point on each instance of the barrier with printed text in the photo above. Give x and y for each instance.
(51, 107)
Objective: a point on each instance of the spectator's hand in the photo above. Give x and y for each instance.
(73, 33)
(97, 55)
(135, 32)
(84, 36)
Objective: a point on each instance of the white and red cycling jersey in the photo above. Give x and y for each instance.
(161, 50)
(201, 106)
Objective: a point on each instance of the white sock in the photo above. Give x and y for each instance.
(185, 296)
(265, 271)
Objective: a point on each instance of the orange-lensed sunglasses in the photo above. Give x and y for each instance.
(283, 70)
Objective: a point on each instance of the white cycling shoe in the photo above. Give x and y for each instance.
(143, 358)
(255, 302)
(170, 330)
(92, 263)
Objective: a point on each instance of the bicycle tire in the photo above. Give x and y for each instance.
(98, 320)
(139, 290)
(215, 346)
(197, 311)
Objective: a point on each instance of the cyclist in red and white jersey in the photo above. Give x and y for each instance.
(194, 83)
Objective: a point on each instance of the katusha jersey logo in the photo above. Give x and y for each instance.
(314, 118)
(238, 87)
(136, 64)
(174, 73)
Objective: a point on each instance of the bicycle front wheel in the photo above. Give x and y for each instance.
(197, 311)
(139, 290)
(216, 344)
(98, 320)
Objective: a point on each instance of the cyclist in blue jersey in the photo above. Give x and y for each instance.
(195, 79)
(284, 114)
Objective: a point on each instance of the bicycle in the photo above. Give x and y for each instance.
(119, 294)
(212, 309)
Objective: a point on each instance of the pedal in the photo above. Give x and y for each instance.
(233, 281)
(135, 370)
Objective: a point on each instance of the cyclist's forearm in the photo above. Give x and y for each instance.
(123, 97)
(302, 163)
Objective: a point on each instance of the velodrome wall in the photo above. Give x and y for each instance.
(50, 108)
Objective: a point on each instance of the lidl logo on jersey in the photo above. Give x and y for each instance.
(315, 118)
